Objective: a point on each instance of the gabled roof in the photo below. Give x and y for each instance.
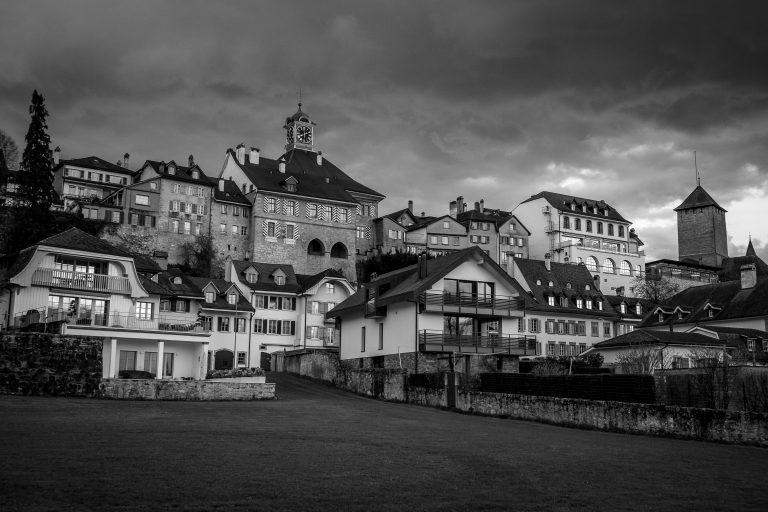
(264, 281)
(308, 281)
(731, 269)
(324, 181)
(182, 173)
(188, 287)
(495, 217)
(650, 337)
(405, 284)
(561, 274)
(699, 198)
(220, 297)
(563, 202)
(740, 331)
(737, 303)
(94, 162)
(395, 216)
(631, 302)
(231, 193)
(79, 240)
(426, 221)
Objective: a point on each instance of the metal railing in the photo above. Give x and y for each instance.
(430, 341)
(39, 319)
(464, 302)
(80, 280)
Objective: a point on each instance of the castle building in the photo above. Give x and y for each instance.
(701, 234)
(577, 230)
(306, 212)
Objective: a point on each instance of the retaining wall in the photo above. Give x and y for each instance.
(124, 389)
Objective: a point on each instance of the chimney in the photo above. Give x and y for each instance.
(548, 262)
(452, 209)
(596, 279)
(254, 158)
(161, 258)
(422, 265)
(191, 160)
(482, 205)
(423, 214)
(56, 153)
(281, 166)
(460, 205)
(126, 158)
(221, 184)
(410, 206)
(319, 158)
(748, 276)
(119, 163)
(240, 152)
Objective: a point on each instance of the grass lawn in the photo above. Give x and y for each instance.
(317, 448)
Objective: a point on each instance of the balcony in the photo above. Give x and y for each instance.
(438, 341)
(371, 311)
(47, 319)
(470, 304)
(81, 281)
(597, 248)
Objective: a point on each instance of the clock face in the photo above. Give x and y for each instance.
(289, 135)
(304, 134)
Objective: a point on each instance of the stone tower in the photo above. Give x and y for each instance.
(701, 233)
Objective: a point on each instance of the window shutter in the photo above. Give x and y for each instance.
(265, 227)
(293, 328)
(309, 332)
(153, 220)
(306, 210)
(296, 232)
(266, 208)
(367, 233)
(349, 216)
(321, 212)
(278, 230)
(297, 209)
(359, 209)
(282, 206)
(293, 303)
(188, 305)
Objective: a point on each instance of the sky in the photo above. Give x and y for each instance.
(421, 100)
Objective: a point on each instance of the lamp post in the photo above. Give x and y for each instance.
(234, 328)
(250, 327)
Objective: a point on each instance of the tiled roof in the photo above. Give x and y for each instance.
(747, 333)
(94, 162)
(395, 216)
(736, 303)
(220, 298)
(631, 302)
(76, 239)
(699, 198)
(186, 288)
(265, 282)
(308, 281)
(563, 202)
(231, 193)
(497, 217)
(731, 269)
(145, 264)
(325, 181)
(651, 337)
(182, 173)
(424, 221)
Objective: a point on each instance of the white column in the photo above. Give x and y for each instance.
(203, 361)
(112, 371)
(160, 348)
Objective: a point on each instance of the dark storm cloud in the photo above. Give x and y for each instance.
(420, 100)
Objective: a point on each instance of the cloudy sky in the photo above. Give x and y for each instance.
(493, 100)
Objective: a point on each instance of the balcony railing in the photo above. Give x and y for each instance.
(601, 248)
(470, 303)
(438, 341)
(80, 281)
(42, 318)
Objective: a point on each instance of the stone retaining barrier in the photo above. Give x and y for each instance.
(125, 389)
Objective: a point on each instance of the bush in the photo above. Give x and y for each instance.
(236, 372)
(135, 374)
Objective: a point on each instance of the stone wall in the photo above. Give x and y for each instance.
(50, 364)
(123, 389)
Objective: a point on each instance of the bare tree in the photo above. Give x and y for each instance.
(713, 363)
(656, 289)
(10, 150)
(643, 359)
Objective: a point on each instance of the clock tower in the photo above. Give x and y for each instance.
(299, 132)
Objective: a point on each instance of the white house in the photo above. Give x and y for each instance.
(459, 303)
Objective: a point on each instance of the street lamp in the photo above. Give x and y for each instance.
(234, 362)
(250, 327)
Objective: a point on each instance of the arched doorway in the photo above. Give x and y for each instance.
(316, 248)
(223, 360)
(339, 250)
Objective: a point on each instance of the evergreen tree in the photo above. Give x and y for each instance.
(36, 180)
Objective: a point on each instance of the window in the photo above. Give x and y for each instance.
(623, 308)
(223, 324)
(330, 288)
(224, 209)
(271, 229)
(446, 224)
(240, 325)
(270, 204)
(549, 326)
(198, 229)
(606, 329)
(444, 240)
(608, 266)
(533, 325)
(580, 303)
(362, 339)
(142, 199)
(144, 310)
(433, 239)
(591, 264)
(625, 268)
(566, 222)
(360, 232)
(290, 208)
(610, 229)
(381, 337)
(235, 229)
(209, 297)
(182, 306)
(223, 229)
(175, 188)
(165, 305)
(127, 360)
(577, 224)
(314, 332)
(280, 280)
(312, 210)
(639, 308)
(343, 215)
(588, 303)
(551, 300)
(599, 228)
(241, 359)
(236, 211)
(187, 228)
(595, 329)
(589, 226)
(564, 302)
(232, 298)
(244, 231)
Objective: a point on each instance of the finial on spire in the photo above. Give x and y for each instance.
(696, 167)
(299, 98)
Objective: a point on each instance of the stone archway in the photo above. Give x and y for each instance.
(339, 250)
(316, 248)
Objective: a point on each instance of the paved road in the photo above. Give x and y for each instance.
(318, 448)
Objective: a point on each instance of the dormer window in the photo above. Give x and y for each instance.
(251, 277)
(568, 286)
(290, 187)
(679, 315)
(209, 297)
(580, 303)
(564, 302)
(710, 313)
(550, 284)
(538, 282)
(623, 308)
(177, 280)
(599, 304)
(171, 169)
(589, 303)
(280, 280)
(573, 207)
(232, 298)
(639, 308)
(195, 175)
(594, 210)
(587, 287)
(661, 317)
(551, 300)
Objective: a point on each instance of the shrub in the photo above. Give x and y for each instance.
(135, 374)
(236, 372)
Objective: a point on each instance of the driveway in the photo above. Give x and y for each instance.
(318, 448)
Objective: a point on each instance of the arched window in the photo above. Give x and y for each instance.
(592, 264)
(339, 250)
(609, 267)
(566, 223)
(625, 269)
(600, 228)
(316, 248)
(578, 224)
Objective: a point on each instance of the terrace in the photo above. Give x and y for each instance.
(439, 341)
(471, 303)
(72, 280)
(51, 319)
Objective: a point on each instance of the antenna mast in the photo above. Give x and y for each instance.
(696, 167)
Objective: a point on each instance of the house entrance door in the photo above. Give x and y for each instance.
(223, 360)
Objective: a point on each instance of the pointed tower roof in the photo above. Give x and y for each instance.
(750, 248)
(699, 198)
